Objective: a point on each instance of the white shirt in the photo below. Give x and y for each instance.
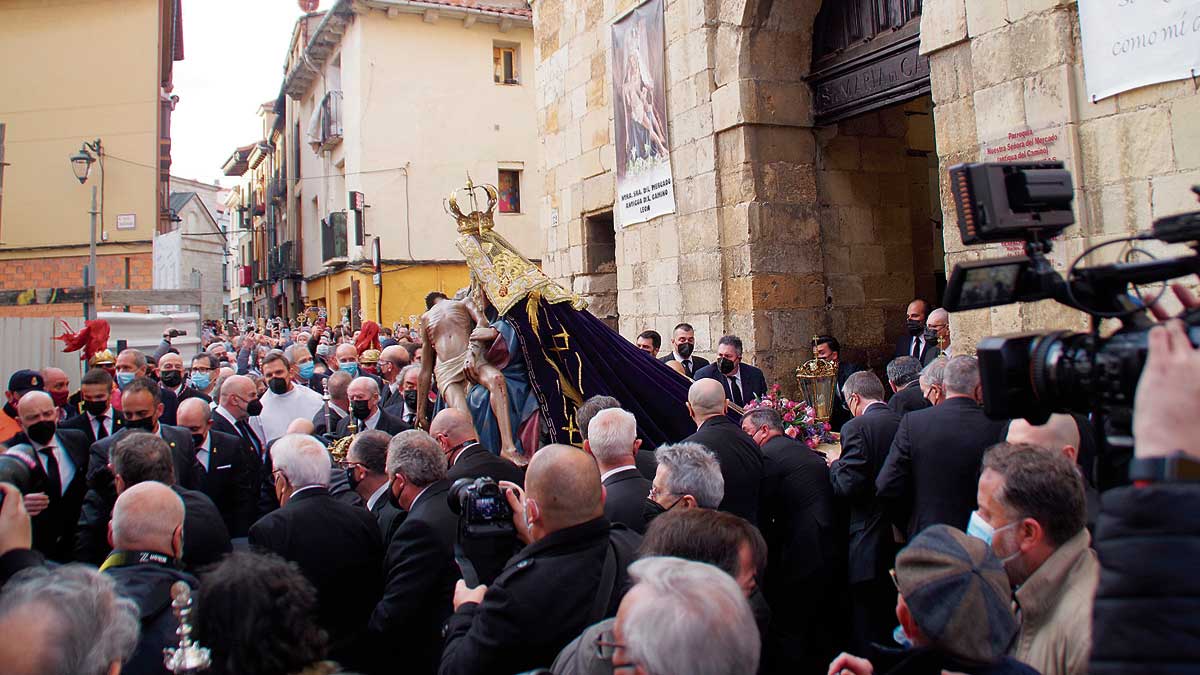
(203, 453)
(372, 421)
(377, 494)
(921, 349)
(66, 467)
(612, 472)
(307, 487)
(280, 411)
(106, 419)
(686, 362)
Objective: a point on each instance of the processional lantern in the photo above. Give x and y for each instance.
(818, 384)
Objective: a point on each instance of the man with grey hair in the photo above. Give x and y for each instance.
(934, 461)
(336, 545)
(683, 616)
(741, 461)
(365, 466)
(338, 407)
(688, 476)
(132, 364)
(305, 372)
(147, 539)
(612, 440)
(404, 403)
(589, 409)
(937, 332)
(419, 566)
(366, 411)
(66, 621)
(933, 389)
(904, 378)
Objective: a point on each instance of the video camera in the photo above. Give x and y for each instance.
(486, 535)
(17, 468)
(1032, 375)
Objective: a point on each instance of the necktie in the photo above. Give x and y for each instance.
(687, 367)
(737, 391)
(101, 432)
(53, 478)
(916, 349)
(247, 433)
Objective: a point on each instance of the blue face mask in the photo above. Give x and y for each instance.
(123, 379)
(201, 380)
(351, 368)
(306, 370)
(981, 529)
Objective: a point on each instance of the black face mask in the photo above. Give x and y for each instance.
(361, 409)
(277, 385)
(685, 349)
(393, 499)
(652, 509)
(354, 481)
(931, 335)
(254, 408)
(410, 399)
(96, 408)
(41, 432)
(914, 327)
(172, 378)
(725, 366)
(198, 440)
(144, 424)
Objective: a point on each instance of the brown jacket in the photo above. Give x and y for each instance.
(1055, 609)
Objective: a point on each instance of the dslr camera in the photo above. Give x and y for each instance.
(1032, 375)
(17, 468)
(486, 535)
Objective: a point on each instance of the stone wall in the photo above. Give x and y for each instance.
(1000, 67)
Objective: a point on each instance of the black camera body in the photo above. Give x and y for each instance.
(487, 537)
(1033, 375)
(17, 467)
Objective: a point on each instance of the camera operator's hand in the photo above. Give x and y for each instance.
(1164, 415)
(35, 503)
(463, 595)
(16, 530)
(848, 664)
(1185, 297)
(516, 500)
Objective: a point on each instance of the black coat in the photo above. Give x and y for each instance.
(931, 474)
(83, 422)
(54, 528)
(904, 348)
(866, 440)
(389, 517)
(841, 414)
(697, 362)
(318, 421)
(542, 600)
(754, 383)
(188, 471)
(170, 404)
(908, 399)
(339, 550)
(149, 586)
(1147, 610)
(420, 574)
(475, 461)
(625, 495)
(231, 481)
(189, 391)
(205, 538)
(741, 464)
(387, 423)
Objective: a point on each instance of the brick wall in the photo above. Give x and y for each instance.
(67, 271)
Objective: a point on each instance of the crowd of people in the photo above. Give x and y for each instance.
(287, 474)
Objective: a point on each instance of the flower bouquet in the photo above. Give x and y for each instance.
(798, 420)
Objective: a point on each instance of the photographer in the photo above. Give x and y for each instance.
(571, 574)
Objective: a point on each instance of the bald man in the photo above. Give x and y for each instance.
(237, 413)
(467, 458)
(392, 360)
(60, 479)
(365, 410)
(740, 457)
(146, 533)
(937, 332)
(570, 575)
(1062, 433)
(230, 472)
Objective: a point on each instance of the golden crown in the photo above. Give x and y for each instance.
(475, 222)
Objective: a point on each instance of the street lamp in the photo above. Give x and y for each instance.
(81, 165)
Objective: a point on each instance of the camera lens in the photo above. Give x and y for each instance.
(17, 468)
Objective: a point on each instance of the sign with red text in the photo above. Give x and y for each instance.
(1027, 145)
(1132, 43)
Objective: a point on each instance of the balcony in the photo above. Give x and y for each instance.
(333, 238)
(285, 263)
(277, 188)
(325, 126)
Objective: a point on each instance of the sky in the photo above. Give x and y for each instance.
(234, 51)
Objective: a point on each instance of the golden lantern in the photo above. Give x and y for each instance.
(818, 384)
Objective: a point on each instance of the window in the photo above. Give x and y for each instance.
(504, 60)
(510, 191)
(600, 244)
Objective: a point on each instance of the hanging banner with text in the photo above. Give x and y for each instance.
(1132, 43)
(645, 188)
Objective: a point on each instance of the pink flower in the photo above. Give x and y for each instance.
(789, 417)
(792, 432)
(775, 387)
(809, 412)
(812, 443)
(827, 426)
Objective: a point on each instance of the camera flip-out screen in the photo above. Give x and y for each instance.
(975, 285)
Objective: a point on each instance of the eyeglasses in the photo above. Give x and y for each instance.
(606, 648)
(655, 493)
(895, 581)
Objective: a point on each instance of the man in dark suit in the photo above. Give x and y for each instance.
(363, 393)
(742, 381)
(739, 456)
(97, 419)
(137, 457)
(683, 343)
(612, 440)
(935, 458)
(865, 443)
(797, 521)
(59, 461)
(829, 348)
(336, 545)
(230, 473)
(569, 576)
(237, 414)
(914, 342)
(392, 362)
(338, 407)
(419, 566)
(466, 457)
(366, 472)
(645, 460)
(904, 377)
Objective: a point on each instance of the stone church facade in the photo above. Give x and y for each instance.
(810, 146)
